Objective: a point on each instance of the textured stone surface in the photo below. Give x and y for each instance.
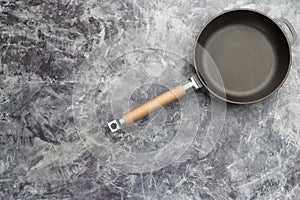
(67, 67)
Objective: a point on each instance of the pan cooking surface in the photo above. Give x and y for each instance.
(250, 52)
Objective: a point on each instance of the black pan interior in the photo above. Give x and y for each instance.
(250, 52)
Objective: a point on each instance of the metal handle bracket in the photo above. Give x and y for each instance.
(291, 29)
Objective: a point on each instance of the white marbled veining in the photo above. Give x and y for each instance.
(63, 66)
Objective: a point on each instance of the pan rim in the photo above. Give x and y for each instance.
(242, 102)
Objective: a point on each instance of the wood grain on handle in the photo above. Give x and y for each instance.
(154, 104)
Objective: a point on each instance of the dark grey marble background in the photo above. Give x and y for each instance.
(67, 67)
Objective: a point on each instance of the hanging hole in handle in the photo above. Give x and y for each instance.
(291, 29)
(114, 126)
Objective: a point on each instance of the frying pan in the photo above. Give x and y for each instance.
(252, 55)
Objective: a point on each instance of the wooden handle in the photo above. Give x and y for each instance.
(154, 104)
